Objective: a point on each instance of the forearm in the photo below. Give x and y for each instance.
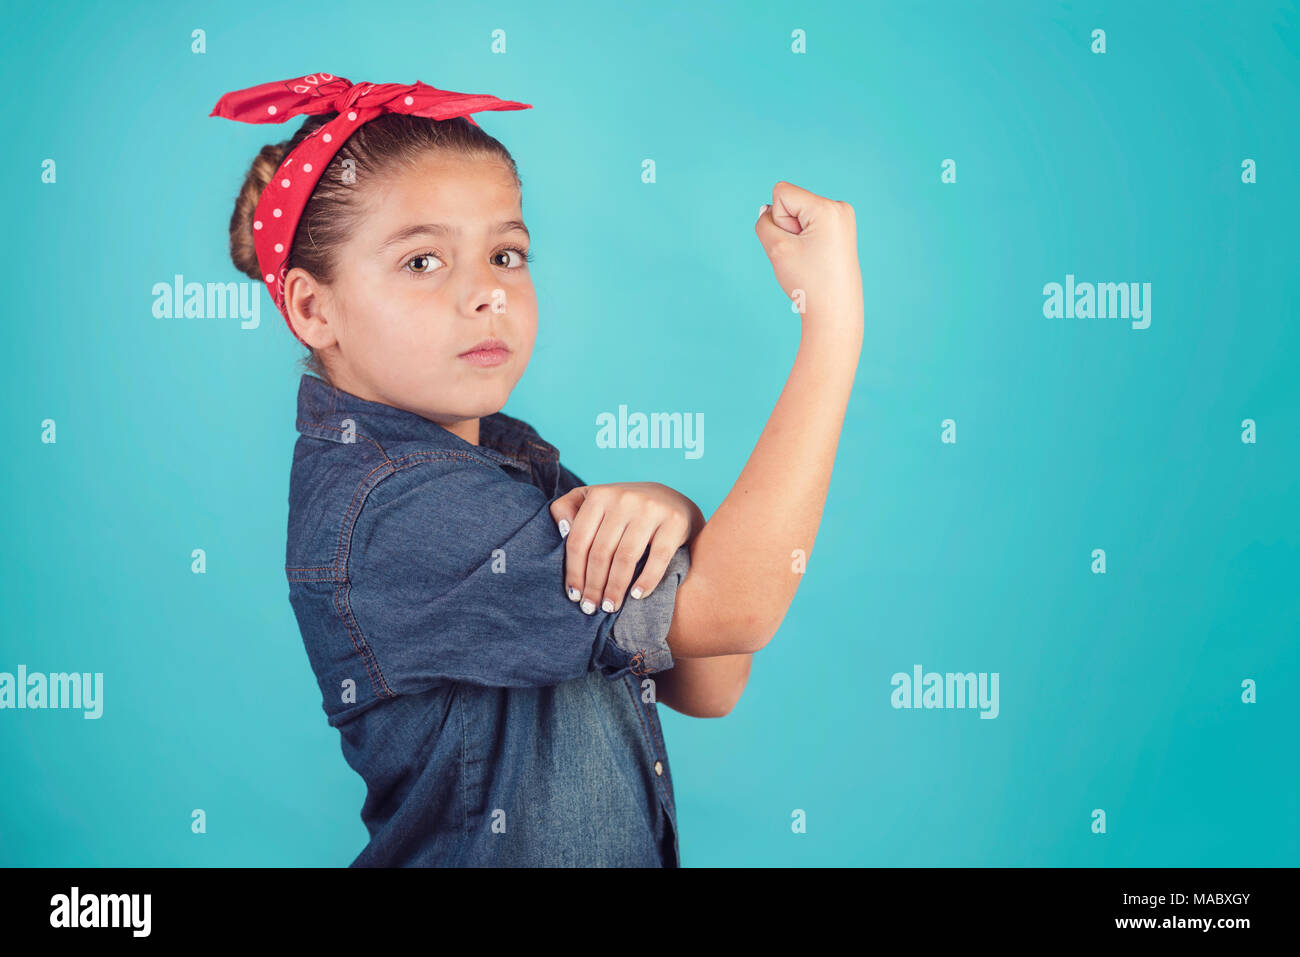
(742, 579)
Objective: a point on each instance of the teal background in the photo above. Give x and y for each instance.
(1118, 691)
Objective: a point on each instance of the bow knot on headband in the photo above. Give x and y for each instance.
(275, 220)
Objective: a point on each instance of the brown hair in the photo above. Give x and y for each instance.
(389, 141)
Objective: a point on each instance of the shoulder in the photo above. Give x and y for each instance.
(333, 477)
(324, 468)
(429, 483)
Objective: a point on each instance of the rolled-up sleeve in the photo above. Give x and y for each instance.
(642, 625)
(456, 574)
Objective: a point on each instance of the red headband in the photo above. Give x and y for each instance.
(285, 196)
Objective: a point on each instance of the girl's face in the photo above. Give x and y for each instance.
(436, 266)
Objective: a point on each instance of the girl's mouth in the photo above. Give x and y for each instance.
(486, 357)
(489, 352)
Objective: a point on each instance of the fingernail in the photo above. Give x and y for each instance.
(763, 209)
(636, 592)
(588, 606)
(574, 594)
(564, 527)
(606, 605)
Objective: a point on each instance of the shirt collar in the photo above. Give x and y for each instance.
(503, 439)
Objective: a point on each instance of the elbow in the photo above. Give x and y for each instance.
(704, 626)
(754, 632)
(700, 704)
(741, 638)
(718, 707)
(758, 639)
(753, 620)
(712, 711)
(730, 703)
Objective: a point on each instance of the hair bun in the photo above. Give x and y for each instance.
(242, 251)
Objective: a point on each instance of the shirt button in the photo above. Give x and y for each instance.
(659, 768)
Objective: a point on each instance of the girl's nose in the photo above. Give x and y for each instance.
(485, 290)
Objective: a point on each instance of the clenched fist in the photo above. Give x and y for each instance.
(812, 242)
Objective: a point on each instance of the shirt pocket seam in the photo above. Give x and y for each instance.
(657, 751)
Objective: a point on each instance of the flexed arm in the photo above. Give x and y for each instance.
(741, 582)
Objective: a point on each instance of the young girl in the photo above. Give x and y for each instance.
(461, 594)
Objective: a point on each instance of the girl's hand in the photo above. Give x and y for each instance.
(812, 243)
(607, 529)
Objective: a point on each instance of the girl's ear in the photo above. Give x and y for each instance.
(311, 308)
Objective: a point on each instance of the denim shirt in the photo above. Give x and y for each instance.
(493, 722)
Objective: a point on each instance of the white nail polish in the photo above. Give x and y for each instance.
(636, 592)
(564, 527)
(606, 605)
(588, 606)
(574, 594)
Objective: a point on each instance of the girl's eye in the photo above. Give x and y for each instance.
(521, 253)
(423, 261)
(421, 266)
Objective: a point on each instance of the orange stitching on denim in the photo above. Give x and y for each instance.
(339, 573)
(387, 463)
(300, 573)
(365, 658)
(300, 424)
(345, 532)
(636, 702)
(661, 752)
